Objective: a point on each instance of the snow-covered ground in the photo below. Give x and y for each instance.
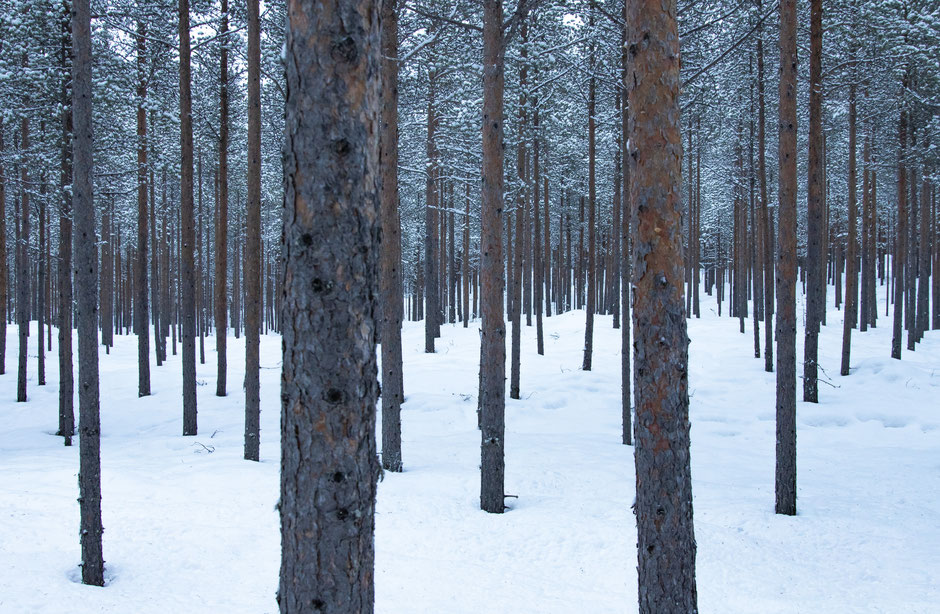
(190, 526)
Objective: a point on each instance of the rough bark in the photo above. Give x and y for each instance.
(515, 310)
(22, 271)
(767, 254)
(493, 333)
(432, 322)
(390, 284)
(537, 265)
(187, 230)
(221, 227)
(897, 264)
(253, 242)
(592, 195)
(86, 282)
(141, 311)
(785, 479)
(815, 225)
(329, 385)
(850, 316)
(626, 253)
(666, 541)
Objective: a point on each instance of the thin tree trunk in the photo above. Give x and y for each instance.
(22, 273)
(897, 264)
(816, 228)
(515, 312)
(666, 541)
(493, 332)
(187, 230)
(592, 194)
(785, 476)
(253, 242)
(390, 284)
(86, 281)
(850, 316)
(465, 274)
(537, 266)
(4, 269)
(626, 253)
(221, 227)
(431, 240)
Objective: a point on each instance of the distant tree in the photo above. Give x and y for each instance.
(329, 384)
(221, 228)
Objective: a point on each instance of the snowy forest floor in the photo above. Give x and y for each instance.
(189, 525)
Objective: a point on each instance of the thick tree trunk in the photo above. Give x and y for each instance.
(329, 385)
(221, 227)
(253, 242)
(786, 267)
(187, 230)
(493, 333)
(666, 541)
(390, 284)
(815, 224)
(86, 282)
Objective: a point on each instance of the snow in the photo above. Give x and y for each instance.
(189, 523)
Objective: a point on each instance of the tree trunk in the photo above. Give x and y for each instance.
(390, 284)
(253, 242)
(221, 227)
(626, 253)
(86, 281)
(493, 333)
(329, 385)
(22, 272)
(537, 266)
(515, 312)
(786, 267)
(187, 230)
(897, 263)
(465, 274)
(666, 541)
(592, 193)
(850, 316)
(815, 225)
(431, 246)
(4, 272)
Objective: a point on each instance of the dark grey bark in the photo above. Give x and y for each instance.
(626, 253)
(537, 266)
(390, 279)
(518, 247)
(767, 255)
(187, 230)
(141, 308)
(493, 332)
(41, 281)
(785, 476)
(592, 194)
(850, 316)
(22, 270)
(815, 228)
(329, 384)
(897, 263)
(253, 242)
(221, 228)
(666, 541)
(86, 282)
(4, 272)
(432, 298)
